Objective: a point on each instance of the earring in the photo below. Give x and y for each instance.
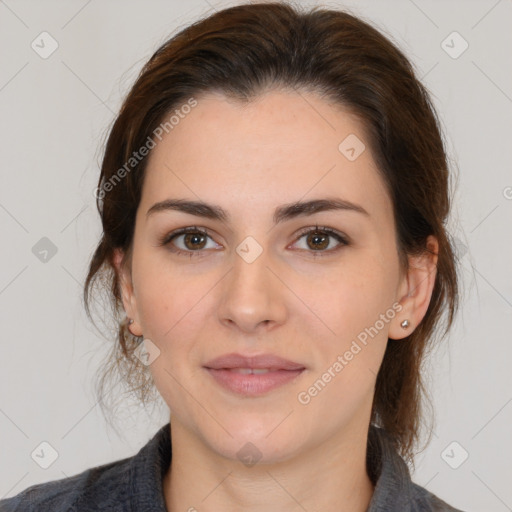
(134, 336)
(405, 324)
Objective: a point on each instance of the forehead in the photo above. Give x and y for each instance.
(279, 148)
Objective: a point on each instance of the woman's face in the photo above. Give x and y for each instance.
(258, 283)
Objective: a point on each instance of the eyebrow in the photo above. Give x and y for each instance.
(281, 213)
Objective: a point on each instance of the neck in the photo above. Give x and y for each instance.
(331, 477)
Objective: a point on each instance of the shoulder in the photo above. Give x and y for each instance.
(424, 501)
(126, 484)
(103, 484)
(394, 488)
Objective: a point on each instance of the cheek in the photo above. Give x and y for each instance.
(166, 298)
(349, 360)
(173, 316)
(356, 298)
(358, 310)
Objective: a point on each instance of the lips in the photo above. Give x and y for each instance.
(252, 376)
(259, 362)
(249, 371)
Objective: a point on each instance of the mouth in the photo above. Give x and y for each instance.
(248, 371)
(252, 381)
(252, 375)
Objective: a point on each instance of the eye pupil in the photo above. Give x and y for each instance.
(315, 237)
(194, 237)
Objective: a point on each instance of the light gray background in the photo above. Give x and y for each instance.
(55, 113)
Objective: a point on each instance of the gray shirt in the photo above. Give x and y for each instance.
(134, 484)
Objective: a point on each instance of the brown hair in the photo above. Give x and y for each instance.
(245, 50)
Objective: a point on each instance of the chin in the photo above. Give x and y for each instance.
(258, 439)
(250, 451)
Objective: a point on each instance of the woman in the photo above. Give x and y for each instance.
(273, 197)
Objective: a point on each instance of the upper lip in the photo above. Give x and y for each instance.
(263, 361)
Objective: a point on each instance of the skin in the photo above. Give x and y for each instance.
(290, 301)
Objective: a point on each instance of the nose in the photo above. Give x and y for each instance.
(253, 296)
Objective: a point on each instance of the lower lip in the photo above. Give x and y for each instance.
(253, 384)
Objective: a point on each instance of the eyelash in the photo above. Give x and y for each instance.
(167, 239)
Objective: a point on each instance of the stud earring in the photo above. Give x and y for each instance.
(138, 338)
(405, 324)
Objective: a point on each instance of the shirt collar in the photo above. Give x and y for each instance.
(389, 474)
(387, 470)
(147, 471)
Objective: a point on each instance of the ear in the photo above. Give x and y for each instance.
(127, 292)
(415, 290)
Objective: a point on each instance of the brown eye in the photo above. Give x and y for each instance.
(318, 240)
(190, 241)
(194, 241)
